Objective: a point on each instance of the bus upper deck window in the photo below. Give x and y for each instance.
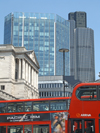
(15, 107)
(99, 92)
(41, 106)
(58, 105)
(3, 107)
(28, 106)
(86, 93)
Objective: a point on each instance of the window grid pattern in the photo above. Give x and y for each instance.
(62, 41)
(36, 31)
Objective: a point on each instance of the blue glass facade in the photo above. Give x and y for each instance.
(62, 41)
(45, 34)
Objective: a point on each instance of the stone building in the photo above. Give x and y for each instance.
(18, 72)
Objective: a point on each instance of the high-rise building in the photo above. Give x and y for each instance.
(84, 54)
(79, 17)
(45, 34)
(81, 51)
(72, 60)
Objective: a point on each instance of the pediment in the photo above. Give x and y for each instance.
(33, 57)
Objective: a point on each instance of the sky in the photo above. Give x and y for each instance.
(61, 8)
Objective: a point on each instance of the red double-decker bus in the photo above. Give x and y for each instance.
(84, 111)
(47, 115)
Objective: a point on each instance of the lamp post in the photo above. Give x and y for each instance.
(63, 50)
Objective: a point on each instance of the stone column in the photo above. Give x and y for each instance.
(29, 69)
(23, 69)
(32, 77)
(26, 71)
(36, 80)
(19, 69)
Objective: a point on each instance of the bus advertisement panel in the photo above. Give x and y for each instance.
(47, 115)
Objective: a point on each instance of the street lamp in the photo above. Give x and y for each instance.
(63, 50)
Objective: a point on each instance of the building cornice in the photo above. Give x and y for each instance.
(21, 53)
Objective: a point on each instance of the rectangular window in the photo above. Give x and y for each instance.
(41, 106)
(38, 85)
(99, 92)
(41, 128)
(40, 94)
(16, 75)
(2, 87)
(89, 126)
(15, 107)
(2, 129)
(3, 107)
(57, 85)
(52, 85)
(28, 106)
(15, 129)
(59, 93)
(87, 93)
(43, 85)
(54, 93)
(44, 94)
(58, 105)
(27, 129)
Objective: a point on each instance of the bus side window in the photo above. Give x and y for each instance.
(15, 107)
(58, 105)
(28, 106)
(41, 106)
(3, 107)
(86, 93)
(99, 92)
(19, 107)
(11, 107)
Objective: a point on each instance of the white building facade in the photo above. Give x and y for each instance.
(18, 72)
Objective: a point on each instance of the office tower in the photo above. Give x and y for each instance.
(81, 52)
(84, 54)
(79, 17)
(43, 33)
(72, 60)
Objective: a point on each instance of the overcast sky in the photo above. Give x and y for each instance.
(62, 8)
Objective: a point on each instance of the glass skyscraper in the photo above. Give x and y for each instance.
(82, 63)
(45, 34)
(79, 17)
